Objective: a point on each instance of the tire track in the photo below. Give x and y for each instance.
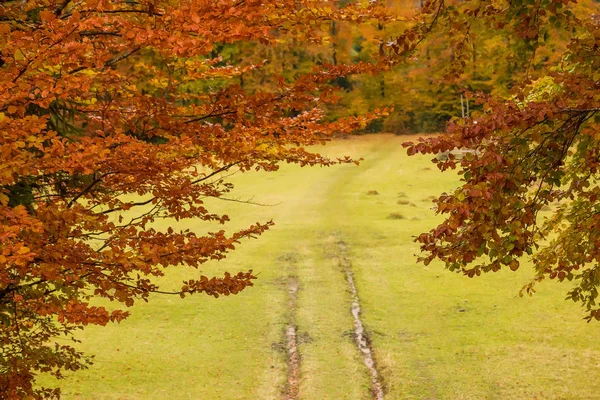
(291, 343)
(361, 337)
(290, 338)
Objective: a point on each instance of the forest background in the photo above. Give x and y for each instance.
(429, 84)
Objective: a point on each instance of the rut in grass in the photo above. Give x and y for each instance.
(291, 343)
(361, 337)
(291, 338)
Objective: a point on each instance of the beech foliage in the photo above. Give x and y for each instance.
(114, 114)
(530, 179)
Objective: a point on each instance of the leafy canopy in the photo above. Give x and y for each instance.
(533, 149)
(114, 114)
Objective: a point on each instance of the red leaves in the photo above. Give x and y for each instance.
(528, 183)
(475, 193)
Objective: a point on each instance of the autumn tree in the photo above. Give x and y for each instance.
(114, 114)
(530, 182)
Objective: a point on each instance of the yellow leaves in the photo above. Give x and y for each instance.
(3, 199)
(89, 102)
(160, 82)
(543, 89)
(267, 147)
(12, 109)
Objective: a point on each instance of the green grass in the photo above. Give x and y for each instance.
(435, 334)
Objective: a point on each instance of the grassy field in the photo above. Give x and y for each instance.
(434, 334)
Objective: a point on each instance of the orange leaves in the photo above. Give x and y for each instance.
(84, 314)
(22, 250)
(219, 286)
(47, 16)
(115, 115)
